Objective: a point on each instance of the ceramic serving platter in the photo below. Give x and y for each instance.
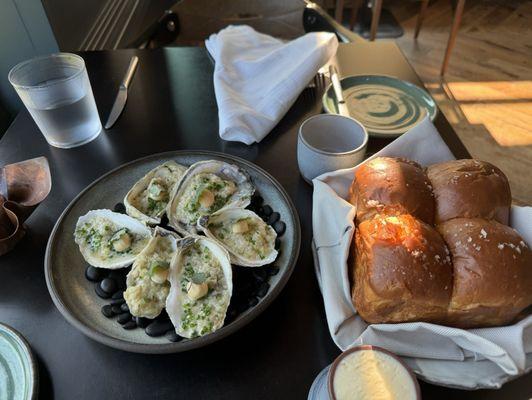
(386, 106)
(75, 297)
(18, 368)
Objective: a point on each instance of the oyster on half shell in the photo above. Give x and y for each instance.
(249, 240)
(201, 285)
(207, 187)
(110, 240)
(148, 198)
(147, 284)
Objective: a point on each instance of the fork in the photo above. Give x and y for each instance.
(317, 86)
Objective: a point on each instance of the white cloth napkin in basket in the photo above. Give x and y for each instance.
(257, 77)
(469, 359)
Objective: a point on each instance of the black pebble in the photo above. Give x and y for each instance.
(274, 270)
(123, 318)
(158, 328)
(266, 210)
(274, 217)
(124, 307)
(163, 316)
(263, 289)
(142, 322)
(260, 274)
(107, 311)
(118, 274)
(241, 307)
(108, 285)
(257, 200)
(277, 243)
(230, 316)
(174, 337)
(118, 295)
(129, 325)
(253, 302)
(94, 274)
(119, 277)
(117, 302)
(122, 285)
(279, 227)
(100, 292)
(116, 309)
(119, 208)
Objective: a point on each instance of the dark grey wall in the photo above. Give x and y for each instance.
(24, 33)
(71, 20)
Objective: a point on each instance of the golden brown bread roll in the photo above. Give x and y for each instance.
(469, 189)
(492, 272)
(402, 271)
(392, 186)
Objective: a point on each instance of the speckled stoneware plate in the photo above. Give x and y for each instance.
(18, 368)
(386, 106)
(75, 297)
(319, 389)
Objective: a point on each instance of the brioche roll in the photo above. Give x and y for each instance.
(492, 272)
(469, 189)
(402, 271)
(392, 186)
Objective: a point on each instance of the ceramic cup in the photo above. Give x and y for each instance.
(327, 142)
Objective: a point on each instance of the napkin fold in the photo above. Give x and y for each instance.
(257, 77)
(470, 359)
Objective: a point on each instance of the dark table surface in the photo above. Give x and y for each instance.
(171, 106)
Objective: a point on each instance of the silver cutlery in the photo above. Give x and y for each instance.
(342, 106)
(121, 97)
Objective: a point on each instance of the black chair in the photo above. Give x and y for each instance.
(187, 23)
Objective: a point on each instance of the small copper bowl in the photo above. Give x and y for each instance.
(332, 370)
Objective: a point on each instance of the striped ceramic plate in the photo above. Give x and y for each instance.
(386, 106)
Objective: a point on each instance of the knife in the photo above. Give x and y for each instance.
(121, 97)
(342, 106)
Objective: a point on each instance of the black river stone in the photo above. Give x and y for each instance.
(94, 274)
(159, 328)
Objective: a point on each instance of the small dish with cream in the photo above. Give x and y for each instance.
(370, 372)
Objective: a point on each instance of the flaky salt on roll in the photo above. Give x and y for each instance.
(402, 271)
(492, 272)
(392, 186)
(469, 189)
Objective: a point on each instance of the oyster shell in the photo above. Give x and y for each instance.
(147, 284)
(207, 187)
(148, 198)
(248, 239)
(201, 285)
(110, 240)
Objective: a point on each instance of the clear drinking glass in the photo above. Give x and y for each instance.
(56, 91)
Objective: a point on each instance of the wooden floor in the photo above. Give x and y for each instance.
(487, 91)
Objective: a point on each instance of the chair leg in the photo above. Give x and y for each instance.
(377, 7)
(421, 16)
(354, 13)
(339, 11)
(452, 36)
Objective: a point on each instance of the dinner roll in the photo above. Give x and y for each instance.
(391, 186)
(402, 271)
(492, 272)
(469, 189)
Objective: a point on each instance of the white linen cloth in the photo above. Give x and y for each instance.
(472, 359)
(257, 77)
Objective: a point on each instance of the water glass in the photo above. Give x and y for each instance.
(56, 91)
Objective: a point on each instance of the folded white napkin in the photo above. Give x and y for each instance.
(257, 77)
(472, 359)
